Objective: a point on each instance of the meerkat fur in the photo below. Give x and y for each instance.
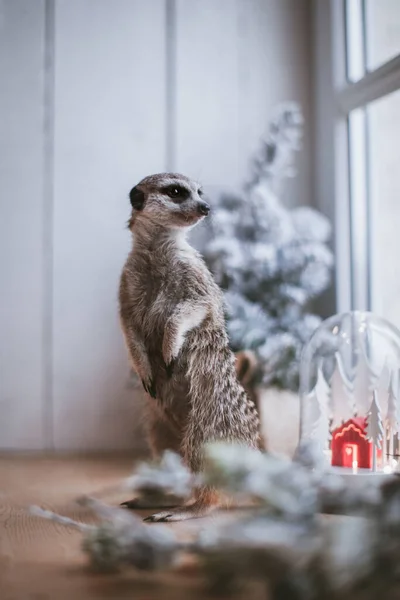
(172, 317)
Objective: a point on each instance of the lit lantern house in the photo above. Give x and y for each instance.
(350, 446)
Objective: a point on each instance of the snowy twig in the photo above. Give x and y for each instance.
(51, 516)
(121, 538)
(283, 542)
(168, 479)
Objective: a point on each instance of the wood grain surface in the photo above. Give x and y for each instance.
(41, 560)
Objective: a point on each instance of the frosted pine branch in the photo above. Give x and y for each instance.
(270, 261)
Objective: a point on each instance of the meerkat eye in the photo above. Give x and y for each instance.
(200, 192)
(177, 193)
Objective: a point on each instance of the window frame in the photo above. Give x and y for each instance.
(335, 100)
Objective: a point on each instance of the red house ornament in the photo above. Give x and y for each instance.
(350, 447)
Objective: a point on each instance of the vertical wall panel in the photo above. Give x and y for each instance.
(21, 224)
(207, 90)
(235, 61)
(274, 46)
(109, 132)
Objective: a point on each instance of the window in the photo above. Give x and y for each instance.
(382, 31)
(372, 35)
(366, 122)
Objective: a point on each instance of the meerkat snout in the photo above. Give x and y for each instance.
(203, 208)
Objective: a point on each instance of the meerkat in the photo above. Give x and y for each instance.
(173, 320)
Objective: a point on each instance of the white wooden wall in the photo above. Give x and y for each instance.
(95, 94)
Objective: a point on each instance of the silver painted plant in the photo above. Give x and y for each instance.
(270, 261)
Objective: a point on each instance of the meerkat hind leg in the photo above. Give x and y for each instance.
(180, 513)
(143, 503)
(161, 437)
(207, 500)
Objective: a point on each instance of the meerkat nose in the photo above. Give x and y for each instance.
(203, 208)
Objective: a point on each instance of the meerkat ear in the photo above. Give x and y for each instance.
(136, 197)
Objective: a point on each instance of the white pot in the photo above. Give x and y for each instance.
(280, 415)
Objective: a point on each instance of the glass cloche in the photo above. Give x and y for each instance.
(349, 392)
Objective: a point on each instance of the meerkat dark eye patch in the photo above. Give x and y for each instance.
(200, 192)
(136, 197)
(178, 193)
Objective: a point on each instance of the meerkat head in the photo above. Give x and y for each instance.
(169, 200)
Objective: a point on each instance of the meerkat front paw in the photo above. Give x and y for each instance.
(172, 344)
(171, 350)
(143, 369)
(170, 368)
(149, 387)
